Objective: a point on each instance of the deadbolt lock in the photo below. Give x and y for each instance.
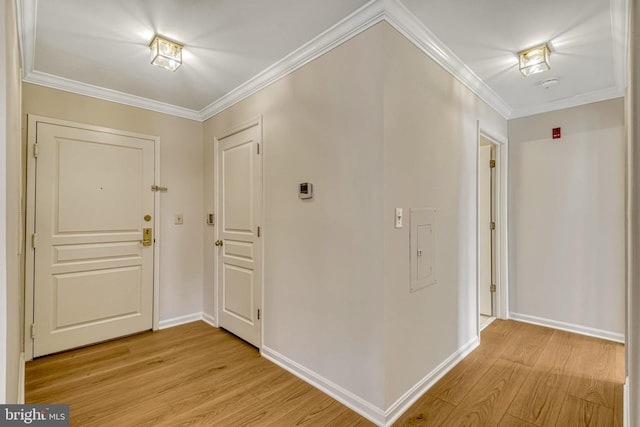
(147, 237)
(218, 243)
(147, 217)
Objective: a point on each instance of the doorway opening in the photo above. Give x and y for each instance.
(491, 230)
(486, 224)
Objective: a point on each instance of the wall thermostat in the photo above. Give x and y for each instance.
(306, 190)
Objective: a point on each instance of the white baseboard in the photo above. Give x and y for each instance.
(411, 396)
(21, 364)
(207, 318)
(569, 327)
(350, 400)
(168, 323)
(626, 416)
(490, 321)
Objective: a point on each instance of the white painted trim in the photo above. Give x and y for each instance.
(392, 11)
(360, 20)
(574, 101)
(48, 80)
(209, 319)
(26, 14)
(254, 121)
(216, 232)
(350, 400)
(569, 327)
(626, 417)
(500, 144)
(157, 238)
(180, 320)
(32, 121)
(398, 16)
(490, 321)
(620, 33)
(401, 405)
(21, 381)
(368, 15)
(29, 258)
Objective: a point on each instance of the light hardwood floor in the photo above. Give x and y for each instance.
(521, 375)
(525, 375)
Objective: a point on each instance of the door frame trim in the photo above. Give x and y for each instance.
(32, 121)
(500, 145)
(254, 121)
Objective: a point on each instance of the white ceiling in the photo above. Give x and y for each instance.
(235, 47)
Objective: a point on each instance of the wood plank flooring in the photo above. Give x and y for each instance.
(526, 375)
(521, 375)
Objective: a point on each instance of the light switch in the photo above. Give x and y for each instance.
(398, 217)
(179, 219)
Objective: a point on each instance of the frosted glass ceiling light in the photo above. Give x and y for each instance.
(165, 53)
(534, 60)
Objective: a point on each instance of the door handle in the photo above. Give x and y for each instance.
(147, 237)
(218, 243)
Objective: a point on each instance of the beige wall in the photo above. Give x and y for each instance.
(430, 161)
(567, 217)
(180, 171)
(323, 257)
(374, 124)
(10, 131)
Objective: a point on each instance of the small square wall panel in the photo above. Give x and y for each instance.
(422, 248)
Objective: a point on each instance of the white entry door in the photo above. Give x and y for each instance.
(239, 248)
(93, 274)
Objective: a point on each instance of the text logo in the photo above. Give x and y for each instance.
(34, 415)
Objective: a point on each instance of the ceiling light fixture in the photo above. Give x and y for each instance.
(534, 60)
(165, 53)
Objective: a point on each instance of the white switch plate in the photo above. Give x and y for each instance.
(398, 217)
(179, 219)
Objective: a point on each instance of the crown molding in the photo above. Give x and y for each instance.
(27, 18)
(573, 101)
(392, 11)
(398, 16)
(67, 85)
(368, 15)
(360, 20)
(620, 35)
(415, 31)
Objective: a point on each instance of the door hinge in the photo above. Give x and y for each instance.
(33, 331)
(492, 225)
(258, 314)
(492, 163)
(36, 150)
(493, 288)
(158, 188)
(258, 231)
(258, 148)
(33, 240)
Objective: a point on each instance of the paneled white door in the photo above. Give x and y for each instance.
(93, 275)
(239, 248)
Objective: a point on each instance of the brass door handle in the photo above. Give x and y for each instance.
(218, 243)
